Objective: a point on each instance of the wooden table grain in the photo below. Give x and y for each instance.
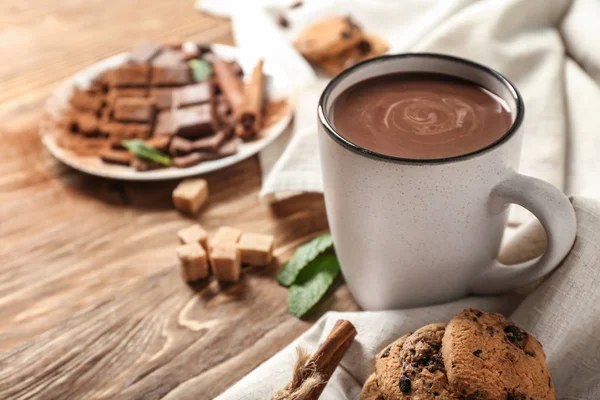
(91, 302)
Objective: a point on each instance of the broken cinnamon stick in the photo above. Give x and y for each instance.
(319, 368)
(231, 85)
(249, 114)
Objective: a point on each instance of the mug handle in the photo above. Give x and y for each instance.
(555, 212)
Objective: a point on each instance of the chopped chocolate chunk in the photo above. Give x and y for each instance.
(198, 93)
(111, 156)
(137, 109)
(209, 143)
(159, 142)
(169, 58)
(283, 21)
(477, 353)
(529, 353)
(121, 130)
(192, 159)
(347, 34)
(194, 122)
(171, 75)
(478, 314)
(180, 146)
(165, 124)
(404, 384)
(163, 97)
(130, 75)
(144, 53)
(86, 123)
(86, 101)
(116, 93)
(144, 165)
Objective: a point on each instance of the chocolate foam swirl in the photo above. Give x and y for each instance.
(420, 117)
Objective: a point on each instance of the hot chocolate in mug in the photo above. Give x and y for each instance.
(411, 232)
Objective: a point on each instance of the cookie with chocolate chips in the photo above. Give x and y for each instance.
(412, 367)
(328, 36)
(488, 357)
(370, 390)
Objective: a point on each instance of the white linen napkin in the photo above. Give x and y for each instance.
(549, 49)
(563, 312)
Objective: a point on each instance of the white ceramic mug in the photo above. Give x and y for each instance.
(410, 232)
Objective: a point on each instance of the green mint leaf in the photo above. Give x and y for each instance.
(140, 149)
(312, 284)
(304, 254)
(201, 69)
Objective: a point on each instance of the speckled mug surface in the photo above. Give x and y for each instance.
(411, 232)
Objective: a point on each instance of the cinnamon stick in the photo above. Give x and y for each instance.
(324, 361)
(249, 114)
(231, 85)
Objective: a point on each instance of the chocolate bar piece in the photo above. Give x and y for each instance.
(180, 146)
(136, 109)
(194, 122)
(163, 97)
(86, 123)
(169, 69)
(179, 74)
(144, 53)
(130, 75)
(198, 93)
(192, 159)
(115, 93)
(159, 142)
(209, 143)
(121, 130)
(165, 124)
(144, 165)
(86, 101)
(111, 156)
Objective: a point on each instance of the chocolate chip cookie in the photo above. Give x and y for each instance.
(488, 357)
(370, 390)
(412, 367)
(328, 36)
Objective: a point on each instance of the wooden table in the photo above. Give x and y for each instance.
(91, 301)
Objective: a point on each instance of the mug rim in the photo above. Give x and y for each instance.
(326, 123)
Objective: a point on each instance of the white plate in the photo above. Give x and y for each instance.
(277, 87)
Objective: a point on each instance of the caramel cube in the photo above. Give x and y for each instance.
(226, 236)
(190, 195)
(194, 234)
(194, 263)
(226, 263)
(256, 249)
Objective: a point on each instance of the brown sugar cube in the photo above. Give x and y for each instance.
(194, 263)
(226, 263)
(193, 234)
(226, 236)
(256, 249)
(190, 195)
(138, 109)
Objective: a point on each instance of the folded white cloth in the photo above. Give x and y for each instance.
(563, 312)
(549, 49)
